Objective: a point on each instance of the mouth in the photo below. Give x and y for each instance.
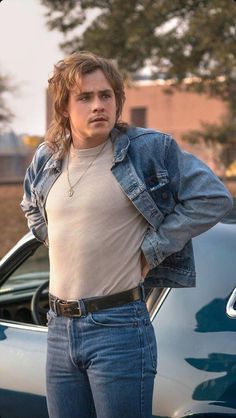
(99, 119)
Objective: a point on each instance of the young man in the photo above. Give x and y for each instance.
(117, 206)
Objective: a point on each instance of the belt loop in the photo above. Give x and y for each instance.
(83, 308)
(53, 303)
(142, 291)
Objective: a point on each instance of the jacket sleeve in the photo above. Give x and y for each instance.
(201, 201)
(35, 219)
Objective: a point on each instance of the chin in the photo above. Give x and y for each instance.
(101, 133)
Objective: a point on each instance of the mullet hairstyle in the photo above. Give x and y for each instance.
(67, 74)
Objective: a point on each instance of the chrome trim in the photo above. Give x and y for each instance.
(158, 303)
(25, 239)
(230, 310)
(26, 327)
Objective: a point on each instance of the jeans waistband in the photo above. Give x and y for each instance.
(81, 307)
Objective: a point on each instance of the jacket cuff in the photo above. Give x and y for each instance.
(150, 249)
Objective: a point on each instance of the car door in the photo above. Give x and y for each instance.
(197, 338)
(22, 343)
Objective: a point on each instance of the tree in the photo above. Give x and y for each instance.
(5, 114)
(193, 39)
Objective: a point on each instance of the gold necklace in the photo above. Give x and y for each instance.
(72, 186)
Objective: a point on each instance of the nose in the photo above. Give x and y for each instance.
(98, 105)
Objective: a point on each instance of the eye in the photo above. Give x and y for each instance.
(83, 98)
(106, 96)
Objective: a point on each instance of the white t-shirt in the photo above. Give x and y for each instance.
(94, 236)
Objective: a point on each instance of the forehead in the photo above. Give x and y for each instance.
(93, 81)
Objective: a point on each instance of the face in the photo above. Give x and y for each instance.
(91, 110)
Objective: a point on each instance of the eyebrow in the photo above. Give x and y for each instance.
(91, 92)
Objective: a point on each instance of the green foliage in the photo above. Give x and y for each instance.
(221, 133)
(63, 15)
(194, 39)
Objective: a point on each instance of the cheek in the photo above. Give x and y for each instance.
(79, 113)
(113, 109)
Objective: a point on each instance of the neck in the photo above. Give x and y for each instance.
(87, 143)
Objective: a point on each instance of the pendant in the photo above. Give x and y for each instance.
(71, 192)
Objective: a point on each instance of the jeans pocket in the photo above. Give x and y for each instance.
(151, 341)
(116, 318)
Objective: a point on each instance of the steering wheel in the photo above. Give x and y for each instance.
(39, 313)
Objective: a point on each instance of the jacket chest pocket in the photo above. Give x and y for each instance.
(158, 187)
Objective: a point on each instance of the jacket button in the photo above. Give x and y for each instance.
(164, 195)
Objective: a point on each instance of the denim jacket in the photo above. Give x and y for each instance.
(178, 195)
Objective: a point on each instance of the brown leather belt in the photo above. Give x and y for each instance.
(82, 307)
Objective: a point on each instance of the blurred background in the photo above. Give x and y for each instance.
(178, 60)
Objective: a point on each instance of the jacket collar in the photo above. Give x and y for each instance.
(121, 142)
(53, 163)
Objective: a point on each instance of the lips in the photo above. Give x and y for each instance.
(98, 119)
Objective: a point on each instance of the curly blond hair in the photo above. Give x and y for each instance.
(67, 74)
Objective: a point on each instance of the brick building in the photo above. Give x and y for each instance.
(147, 104)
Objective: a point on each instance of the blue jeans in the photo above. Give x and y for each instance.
(101, 365)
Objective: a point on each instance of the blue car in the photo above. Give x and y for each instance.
(195, 329)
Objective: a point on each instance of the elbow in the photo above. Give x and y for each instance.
(227, 204)
(218, 207)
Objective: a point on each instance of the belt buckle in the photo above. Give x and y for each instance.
(74, 309)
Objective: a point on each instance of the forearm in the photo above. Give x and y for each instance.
(201, 201)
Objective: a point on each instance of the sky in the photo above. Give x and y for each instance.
(28, 52)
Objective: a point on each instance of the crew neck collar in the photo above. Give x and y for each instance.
(90, 152)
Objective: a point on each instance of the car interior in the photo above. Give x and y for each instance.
(24, 294)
